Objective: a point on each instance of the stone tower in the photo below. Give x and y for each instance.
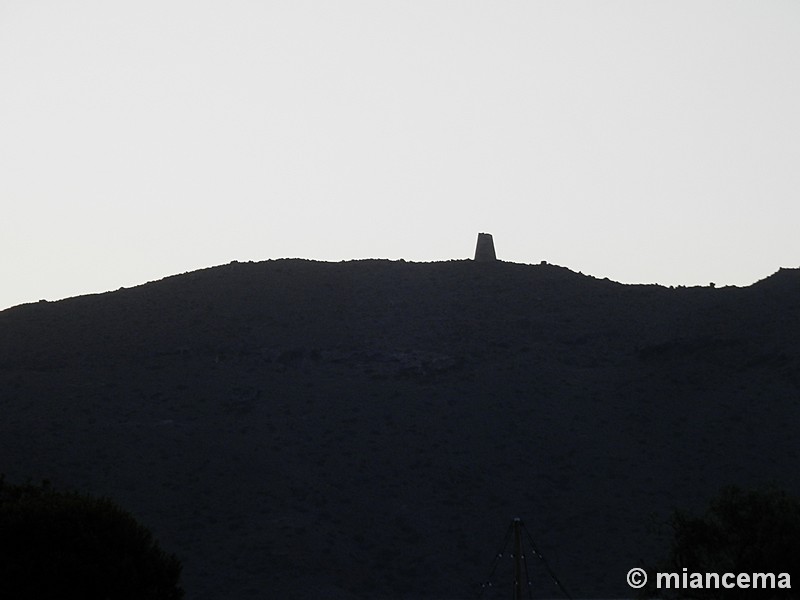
(484, 250)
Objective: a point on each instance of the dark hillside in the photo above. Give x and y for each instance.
(293, 428)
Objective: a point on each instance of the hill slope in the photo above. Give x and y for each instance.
(369, 428)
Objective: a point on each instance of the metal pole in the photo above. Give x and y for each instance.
(517, 559)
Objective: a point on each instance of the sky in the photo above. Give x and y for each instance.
(647, 141)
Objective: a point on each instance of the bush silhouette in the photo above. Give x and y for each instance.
(743, 531)
(61, 544)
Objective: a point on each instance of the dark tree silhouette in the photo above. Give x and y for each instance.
(63, 544)
(743, 531)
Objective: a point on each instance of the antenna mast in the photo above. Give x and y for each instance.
(518, 558)
(522, 579)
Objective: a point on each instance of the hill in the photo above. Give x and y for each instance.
(293, 428)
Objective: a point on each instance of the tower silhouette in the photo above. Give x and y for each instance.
(484, 249)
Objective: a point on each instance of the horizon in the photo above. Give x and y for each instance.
(420, 262)
(646, 143)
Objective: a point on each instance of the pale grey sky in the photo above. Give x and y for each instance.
(640, 140)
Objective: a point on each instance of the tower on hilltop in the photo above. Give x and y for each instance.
(484, 249)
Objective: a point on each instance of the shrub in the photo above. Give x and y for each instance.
(61, 544)
(743, 531)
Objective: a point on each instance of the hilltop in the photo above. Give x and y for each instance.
(369, 428)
